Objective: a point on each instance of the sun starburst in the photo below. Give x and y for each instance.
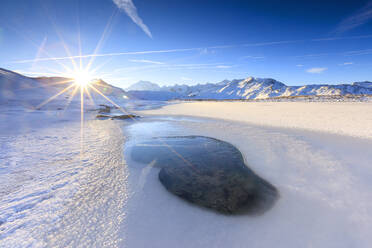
(82, 78)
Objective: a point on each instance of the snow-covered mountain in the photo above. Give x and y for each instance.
(30, 92)
(253, 88)
(33, 91)
(144, 86)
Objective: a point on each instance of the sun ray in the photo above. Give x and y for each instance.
(39, 51)
(89, 95)
(44, 86)
(108, 99)
(57, 72)
(101, 40)
(50, 58)
(81, 120)
(53, 97)
(71, 97)
(66, 48)
(79, 43)
(98, 67)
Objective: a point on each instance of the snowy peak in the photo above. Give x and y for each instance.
(144, 86)
(259, 88)
(251, 87)
(365, 84)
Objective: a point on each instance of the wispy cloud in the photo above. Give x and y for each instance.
(252, 57)
(223, 66)
(313, 55)
(345, 53)
(358, 52)
(273, 43)
(131, 10)
(347, 63)
(209, 50)
(316, 70)
(300, 65)
(362, 16)
(344, 38)
(106, 55)
(146, 61)
(169, 67)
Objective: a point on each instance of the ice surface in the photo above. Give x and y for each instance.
(322, 178)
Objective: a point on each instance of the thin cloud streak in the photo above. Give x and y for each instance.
(170, 67)
(199, 49)
(131, 10)
(274, 43)
(359, 52)
(252, 57)
(344, 38)
(146, 61)
(106, 55)
(347, 63)
(347, 53)
(152, 52)
(223, 66)
(359, 18)
(317, 70)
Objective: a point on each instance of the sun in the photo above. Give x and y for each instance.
(82, 78)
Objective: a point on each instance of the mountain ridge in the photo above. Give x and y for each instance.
(31, 91)
(253, 88)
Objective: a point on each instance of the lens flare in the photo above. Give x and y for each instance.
(82, 78)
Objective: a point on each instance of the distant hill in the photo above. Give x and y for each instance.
(31, 91)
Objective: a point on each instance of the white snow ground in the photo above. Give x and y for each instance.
(52, 195)
(346, 118)
(56, 189)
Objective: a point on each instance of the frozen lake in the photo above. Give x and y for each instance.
(322, 179)
(59, 190)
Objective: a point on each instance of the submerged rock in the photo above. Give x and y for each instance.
(208, 172)
(104, 109)
(123, 117)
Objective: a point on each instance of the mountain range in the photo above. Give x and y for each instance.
(14, 86)
(250, 89)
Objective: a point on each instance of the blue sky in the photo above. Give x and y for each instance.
(174, 41)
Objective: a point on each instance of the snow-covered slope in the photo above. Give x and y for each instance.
(365, 84)
(30, 92)
(14, 86)
(259, 88)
